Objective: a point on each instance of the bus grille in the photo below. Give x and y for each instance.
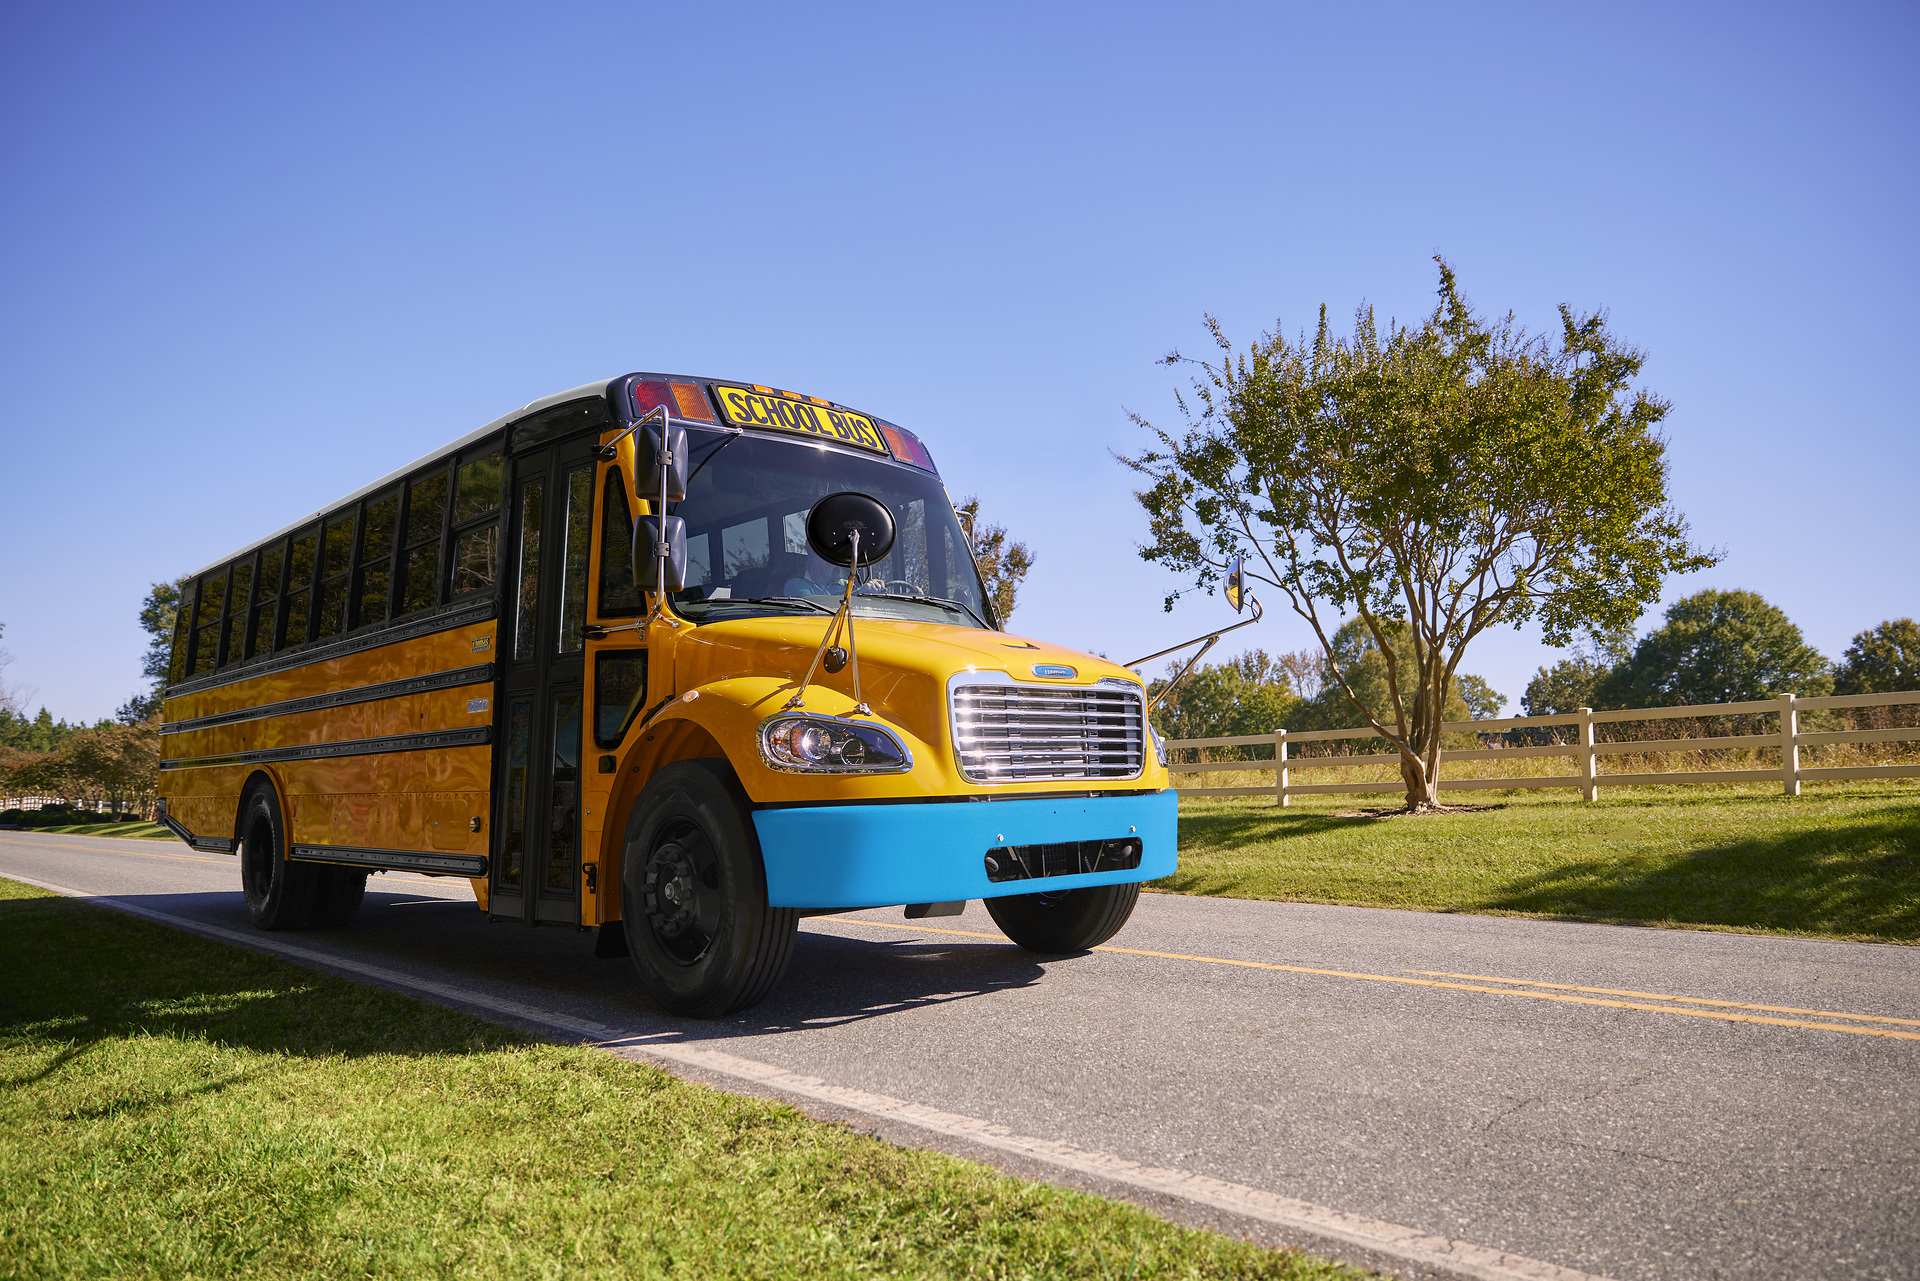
(1015, 733)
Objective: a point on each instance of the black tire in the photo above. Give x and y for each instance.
(337, 893)
(1064, 920)
(693, 895)
(280, 895)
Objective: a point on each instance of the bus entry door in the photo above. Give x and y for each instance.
(536, 856)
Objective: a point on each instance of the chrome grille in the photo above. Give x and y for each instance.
(1012, 733)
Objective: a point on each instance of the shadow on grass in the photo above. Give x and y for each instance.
(79, 976)
(1859, 877)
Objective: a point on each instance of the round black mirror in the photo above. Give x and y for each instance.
(834, 521)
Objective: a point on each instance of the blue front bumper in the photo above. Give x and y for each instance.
(846, 856)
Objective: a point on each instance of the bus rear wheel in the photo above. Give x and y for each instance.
(279, 894)
(693, 895)
(1064, 920)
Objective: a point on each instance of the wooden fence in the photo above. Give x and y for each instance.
(1584, 751)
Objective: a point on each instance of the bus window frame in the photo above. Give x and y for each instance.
(495, 444)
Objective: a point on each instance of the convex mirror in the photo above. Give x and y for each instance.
(1236, 589)
(651, 536)
(834, 522)
(649, 442)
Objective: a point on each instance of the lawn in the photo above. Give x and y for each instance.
(1840, 861)
(177, 1107)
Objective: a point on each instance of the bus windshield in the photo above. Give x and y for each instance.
(746, 512)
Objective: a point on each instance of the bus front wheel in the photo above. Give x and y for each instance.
(693, 894)
(1064, 920)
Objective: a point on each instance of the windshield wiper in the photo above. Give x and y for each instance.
(807, 601)
(961, 606)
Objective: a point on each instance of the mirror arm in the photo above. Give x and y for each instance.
(594, 632)
(607, 453)
(843, 615)
(1206, 643)
(660, 557)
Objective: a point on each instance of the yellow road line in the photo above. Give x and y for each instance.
(1458, 987)
(1697, 1000)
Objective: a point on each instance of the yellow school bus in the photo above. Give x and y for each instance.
(679, 658)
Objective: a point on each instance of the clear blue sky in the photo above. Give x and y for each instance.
(253, 256)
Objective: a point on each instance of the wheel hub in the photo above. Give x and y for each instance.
(670, 891)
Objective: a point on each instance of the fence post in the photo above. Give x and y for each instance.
(1589, 773)
(1789, 746)
(1280, 768)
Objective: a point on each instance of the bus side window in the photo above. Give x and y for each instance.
(476, 524)
(375, 585)
(335, 571)
(573, 581)
(234, 646)
(619, 690)
(206, 622)
(426, 509)
(619, 597)
(300, 565)
(526, 596)
(182, 625)
(266, 592)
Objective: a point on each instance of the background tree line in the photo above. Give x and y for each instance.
(115, 761)
(1713, 647)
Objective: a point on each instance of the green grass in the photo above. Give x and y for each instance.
(144, 831)
(1841, 861)
(174, 1107)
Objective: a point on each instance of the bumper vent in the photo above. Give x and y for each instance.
(1006, 733)
(1065, 858)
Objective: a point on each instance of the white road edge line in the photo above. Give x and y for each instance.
(1460, 1257)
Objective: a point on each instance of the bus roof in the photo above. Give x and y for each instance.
(584, 391)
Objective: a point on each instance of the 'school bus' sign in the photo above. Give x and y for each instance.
(764, 407)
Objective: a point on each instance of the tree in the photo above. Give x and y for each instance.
(1717, 647)
(1002, 564)
(1366, 668)
(1881, 660)
(1568, 685)
(13, 700)
(1250, 694)
(157, 615)
(1456, 476)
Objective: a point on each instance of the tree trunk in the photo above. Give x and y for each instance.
(1422, 794)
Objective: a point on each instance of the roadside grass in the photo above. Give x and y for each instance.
(1842, 860)
(140, 830)
(172, 1106)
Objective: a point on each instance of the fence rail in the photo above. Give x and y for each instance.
(1585, 751)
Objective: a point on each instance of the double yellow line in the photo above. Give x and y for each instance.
(1524, 988)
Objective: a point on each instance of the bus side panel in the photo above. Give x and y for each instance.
(414, 801)
(207, 800)
(422, 800)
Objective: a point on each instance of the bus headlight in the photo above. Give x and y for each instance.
(1159, 745)
(803, 744)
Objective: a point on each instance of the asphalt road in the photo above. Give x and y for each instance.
(1420, 1069)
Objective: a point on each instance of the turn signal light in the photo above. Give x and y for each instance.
(906, 446)
(679, 399)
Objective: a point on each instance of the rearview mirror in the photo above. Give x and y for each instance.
(648, 444)
(1236, 589)
(649, 534)
(834, 521)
